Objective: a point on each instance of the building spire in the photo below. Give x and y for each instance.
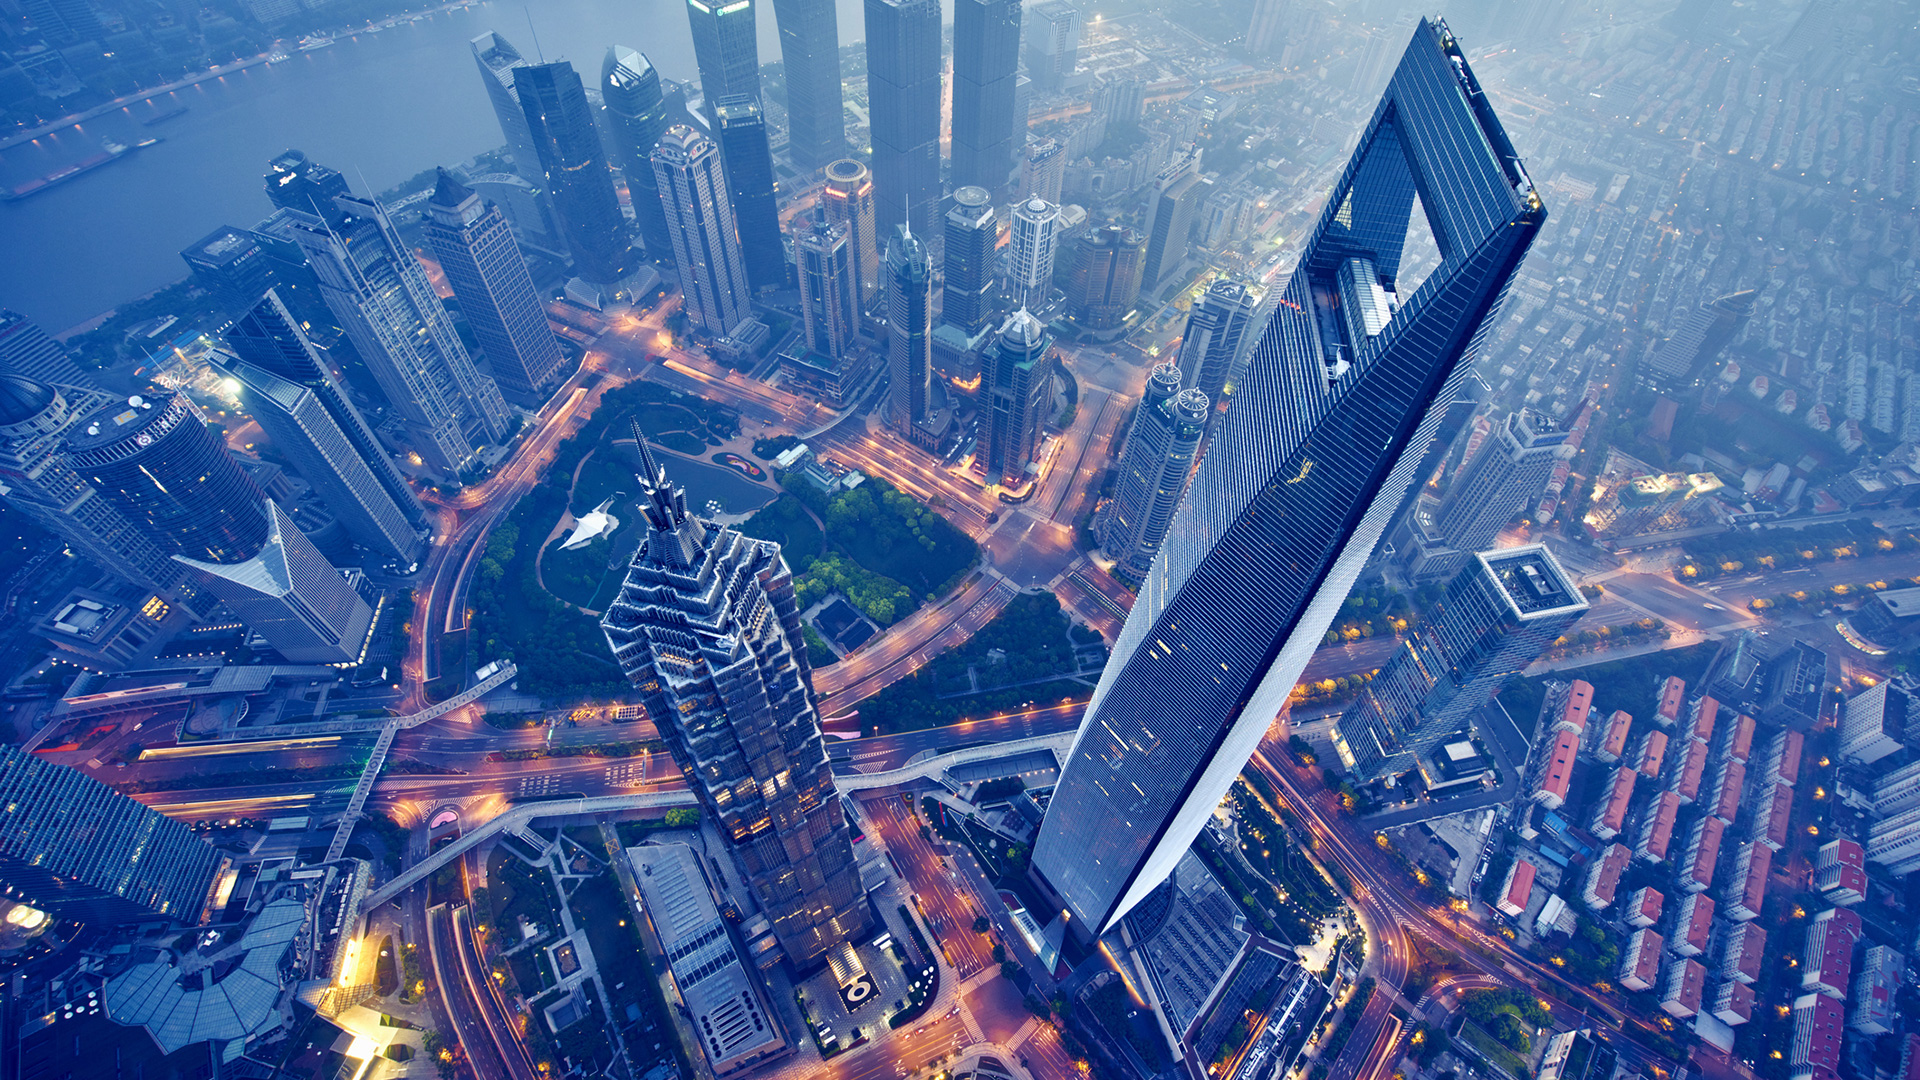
(650, 470)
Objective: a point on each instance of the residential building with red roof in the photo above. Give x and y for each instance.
(1575, 707)
(1692, 925)
(1840, 872)
(1613, 742)
(1730, 784)
(1703, 853)
(1610, 814)
(1603, 877)
(1740, 743)
(1656, 829)
(1640, 960)
(1827, 963)
(1517, 888)
(1692, 770)
(1785, 756)
(1772, 814)
(1686, 984)
(1747, 888)
(1743, 949)
(1644, 907)
(1653, 754)
(1673, 697)
(1554, 775)
(1732, 1003)
(1817, 1023)
(1706, 712)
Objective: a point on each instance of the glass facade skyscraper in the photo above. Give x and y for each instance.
(28, 352)
(1500, 482)
(476, 250)
(706, 627)
(810, 55)
(848, 199)
(909, 329)
(903, 94)
(291, 595)
(636, 118)
(693, 190)
(986, 64)
(726, 49)
(1016, 389)
(972, 250)
(1219, 330)
(1497, 616)
(1152, 476)
(1301, 481)
(1106, 277)
(829, 289)
(71, 845)
(748, 158)
(1036, 234)
(566, 137)
(500, 63)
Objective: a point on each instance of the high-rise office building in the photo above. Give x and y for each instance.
(810, 56)
(294, 280)
(500, 66)
(476, 251)
(1152, 476)
(1016, 390)
(903, 97)
(1509, 472)
(26, 351)
(636, 118)
(829, 288)
(909, 329)
(693, 190)
(1176, 195)
(268, 338)
(1124, 101)
(383, 300)
(1036, 234)
(1699, 338)
(1052, 45)
(726, 48)
(295, 182)
(747, 158)
(1497, 616)
(291, 595)
(304, 432)
(566, 138)
(848, 199)
(1219, 330)
(229, 265)
(160, 465)
(969, 258)
(37, 479)
(706, 626)
(1043, 169)
(1223, 628)
(986, 64)
(75, 847)
(1106, 277)
(1266, 29)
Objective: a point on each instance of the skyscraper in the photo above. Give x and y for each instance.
(909, 329)
(726, 48)
(1498, 616)
(986, 64)
(971, 252)
(75, 847)
(229, 265)
(1016, 389)
(693, 191)
(1699, 338)
(636, 118)
(27, 352)
(848, 199)
(1154, 466)
(476, 251)
(1264, 31)
(560, 121)
(294, 182)
(748, 161)
(500, 65)
(1123, 101)
(1216, 335)
(903, 95)
(167, 473)
(301, 429)
(1036, 233)
(268, 338)
(1174, 202)
(1300, 484)
(37, 480)
(383, 301)
(291, 595)
(1043, 169)
(810, 56)
(1053, 44)
(1106, 277)
(829, 289)
(1504, 478)
(706, 626)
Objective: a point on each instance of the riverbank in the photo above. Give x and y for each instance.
(125, 100)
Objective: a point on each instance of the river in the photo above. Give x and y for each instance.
(378, 107)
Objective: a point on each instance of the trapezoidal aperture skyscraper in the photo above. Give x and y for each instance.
(1298, 486)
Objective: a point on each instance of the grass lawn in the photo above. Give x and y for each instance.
(630, 974)
(1494, 1052)
(576, 576)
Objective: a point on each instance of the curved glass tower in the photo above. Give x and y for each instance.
(1302, 479)
(637, 117)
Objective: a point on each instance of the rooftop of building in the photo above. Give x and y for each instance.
(1532, 581)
